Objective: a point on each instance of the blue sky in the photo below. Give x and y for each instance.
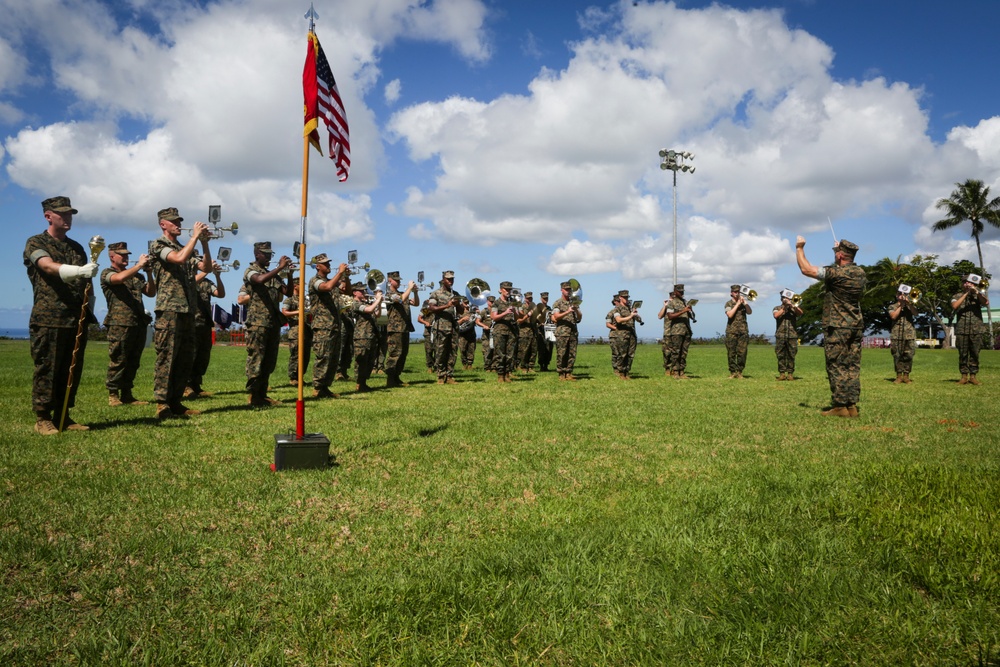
(511, 140)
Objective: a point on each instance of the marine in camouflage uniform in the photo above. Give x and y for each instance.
(426, 317)
(902, 337)
(844, 282)
(446, 304)
(968, 312)
(677, 317)
(625, 318)
(365, 333)
(290, 309)
(527, 335)
(346, 331)
(326, 303)
(264, 321)
(485, 322)
(205, 289)
(60, 273)
(786, 337)
(737, 333)
(544, 345)
(398, 327)
(504, 316)
(609, 323)
(126, 321)
(566, 315)
(176, 302)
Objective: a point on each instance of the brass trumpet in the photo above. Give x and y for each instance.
(216, 232)
(747, 293)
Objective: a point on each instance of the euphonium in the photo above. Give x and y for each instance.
(575, 292)
(477, 290)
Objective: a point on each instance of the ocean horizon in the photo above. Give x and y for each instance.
(14, 333)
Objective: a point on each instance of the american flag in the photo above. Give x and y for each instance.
(322, 99)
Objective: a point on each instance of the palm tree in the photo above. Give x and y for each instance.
(971, 201)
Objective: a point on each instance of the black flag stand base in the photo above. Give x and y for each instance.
(312, 450)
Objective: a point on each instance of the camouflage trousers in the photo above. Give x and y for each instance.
(968, 353)
(346, 349)
(262, 357)
(527, 350)
(785, 348)
(52, 352)
(625, 344)
(675, 352)
(467, 347)
(326, 350)
(736, 351)
(545, 348)
(125, 346)
(903, 350)
(504, 344)
(202, 354)
(566, 353)
(173, 338)
(429, 350)
(843, 364)
(486, 343)
(397, 345)
(293, 354)
(445, 352)
(365, 354)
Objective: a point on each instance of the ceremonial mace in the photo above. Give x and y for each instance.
(96, 246)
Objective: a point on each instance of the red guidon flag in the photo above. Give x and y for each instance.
(322, 100)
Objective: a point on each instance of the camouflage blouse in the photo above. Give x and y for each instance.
(364, 323)
(175, 289)
(566, 326)
(125, 306)
(325, 306)
(902, 327)
(737, 324)
(398, 312)
(265, 299)
(785, 323)
(626, 327)
(681, 325)
(969, 317)
(842, 303)
(56, 303)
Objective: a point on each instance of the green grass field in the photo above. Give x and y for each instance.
(650, 522)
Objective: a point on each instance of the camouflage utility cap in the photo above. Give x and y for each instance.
(59, 205)
(506, 285)
(264, 247)
(393, 274)
(679, 288)
(734, 288)
(544, 295)
(358, 287)
(623, 293)
(565, 285)
(320, 259)
(170, 214)
(528, 295)
(448, 274)
(120, 247)
(846, 247)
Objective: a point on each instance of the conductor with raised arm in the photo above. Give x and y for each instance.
(843, 326)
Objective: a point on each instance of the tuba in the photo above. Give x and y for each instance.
(477, 290)
(575, 292)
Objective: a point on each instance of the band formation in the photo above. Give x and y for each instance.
(368, 323)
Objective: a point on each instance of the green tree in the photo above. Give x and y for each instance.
(971, 201)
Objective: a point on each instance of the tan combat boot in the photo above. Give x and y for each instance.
(973, 380)
(113, 399)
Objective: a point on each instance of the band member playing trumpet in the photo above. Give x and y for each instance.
(325, 303)
(467, 335)
(625, 318)
(126, 321)
(786, 336)
(398, 327)
(264, 320)
(176, 302)
(842, 321)
(366, 311)
(504, 315)
(677, 317)
(737, 333)
(205, 289)
(566, 316)
(968, 307)
(290, 309)
(527, 349)
(426, 317)
(446, 306)
(903, 335)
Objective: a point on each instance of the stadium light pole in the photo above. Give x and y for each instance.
(674, 161)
